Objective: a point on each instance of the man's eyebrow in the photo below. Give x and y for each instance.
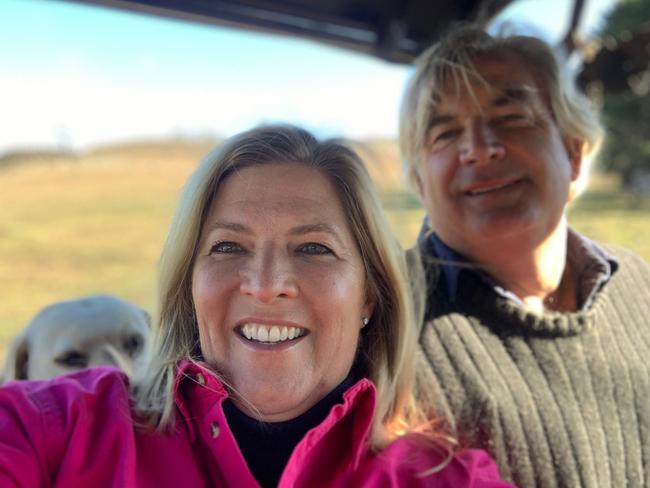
(511, 94)
(438, 120)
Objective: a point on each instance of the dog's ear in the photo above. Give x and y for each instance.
(15, 367)
(147, 317)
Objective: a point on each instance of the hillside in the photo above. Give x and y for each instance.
(75, 224)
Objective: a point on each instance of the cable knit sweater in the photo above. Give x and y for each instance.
(559, 399)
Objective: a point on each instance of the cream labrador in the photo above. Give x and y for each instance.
(76, 334)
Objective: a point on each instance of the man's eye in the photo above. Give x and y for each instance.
(314, 248)
(73, 359)
(446, 135)
(440, 137)
(226, 247)
(512, 119)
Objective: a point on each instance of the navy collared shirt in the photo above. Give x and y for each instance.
(594, 266)
(450, 271)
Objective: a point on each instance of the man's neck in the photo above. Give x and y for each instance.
(538, 274)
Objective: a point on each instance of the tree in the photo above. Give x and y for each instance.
(626, 113)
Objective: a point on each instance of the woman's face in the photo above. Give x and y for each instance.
(279, 288)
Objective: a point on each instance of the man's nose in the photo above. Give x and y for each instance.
(480, 144)
(269, 275)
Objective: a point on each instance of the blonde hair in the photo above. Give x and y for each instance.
(452, 58)
(388, 342)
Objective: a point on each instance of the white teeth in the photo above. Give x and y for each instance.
(262, 334)
(274, 335)
(270, 334)
(246, 329)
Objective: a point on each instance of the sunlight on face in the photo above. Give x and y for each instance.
(495, 165)
(279, 288)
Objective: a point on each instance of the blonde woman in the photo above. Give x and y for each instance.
(283, 353)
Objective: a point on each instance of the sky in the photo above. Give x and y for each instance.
(73, 76)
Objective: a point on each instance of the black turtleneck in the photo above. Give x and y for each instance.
(267, 446)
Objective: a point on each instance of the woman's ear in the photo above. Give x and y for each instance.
(367, 311)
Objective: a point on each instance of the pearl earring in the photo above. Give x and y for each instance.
(365, 321)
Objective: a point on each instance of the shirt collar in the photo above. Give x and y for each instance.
(193, 377)
(593, 265)
(450, 272)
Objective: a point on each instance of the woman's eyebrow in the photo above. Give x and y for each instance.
(331, 230)
(232, 226)
(308, 228)
(295, 231)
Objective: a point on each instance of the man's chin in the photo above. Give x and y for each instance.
(495, 235)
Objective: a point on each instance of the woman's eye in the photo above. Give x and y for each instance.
(314, 249)
(73, 359)
(226, 247)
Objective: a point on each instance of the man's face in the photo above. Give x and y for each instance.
(495, 166)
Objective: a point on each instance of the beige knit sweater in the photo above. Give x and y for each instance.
(559, 400)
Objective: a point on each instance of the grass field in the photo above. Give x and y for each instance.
(71, 226)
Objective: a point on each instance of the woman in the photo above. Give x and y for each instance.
(283, 354)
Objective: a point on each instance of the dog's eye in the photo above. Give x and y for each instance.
(133, 344)
(73, 359)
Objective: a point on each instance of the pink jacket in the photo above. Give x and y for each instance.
(78, 431)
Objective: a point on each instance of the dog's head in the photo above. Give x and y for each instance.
(77, 334)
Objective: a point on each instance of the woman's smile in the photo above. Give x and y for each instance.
(273, 334)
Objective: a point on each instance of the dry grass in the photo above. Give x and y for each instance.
(91, 224)
(71, 226)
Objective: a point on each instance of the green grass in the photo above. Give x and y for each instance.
(615, 218)
(96, 223)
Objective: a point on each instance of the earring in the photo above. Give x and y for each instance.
(365, 321)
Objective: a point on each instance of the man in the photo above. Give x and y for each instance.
(536, 340)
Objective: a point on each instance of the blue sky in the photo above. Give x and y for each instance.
(75, 75)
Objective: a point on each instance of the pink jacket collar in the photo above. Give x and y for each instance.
(197, 390)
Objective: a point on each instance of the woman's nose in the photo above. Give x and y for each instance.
(480, 144)
(269, 275)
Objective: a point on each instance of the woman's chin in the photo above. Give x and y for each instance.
(274, 402)
(271, 410)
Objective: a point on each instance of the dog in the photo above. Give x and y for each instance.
(72, 335)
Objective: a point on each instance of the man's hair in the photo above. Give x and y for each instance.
(452, 58)
(387, 343)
